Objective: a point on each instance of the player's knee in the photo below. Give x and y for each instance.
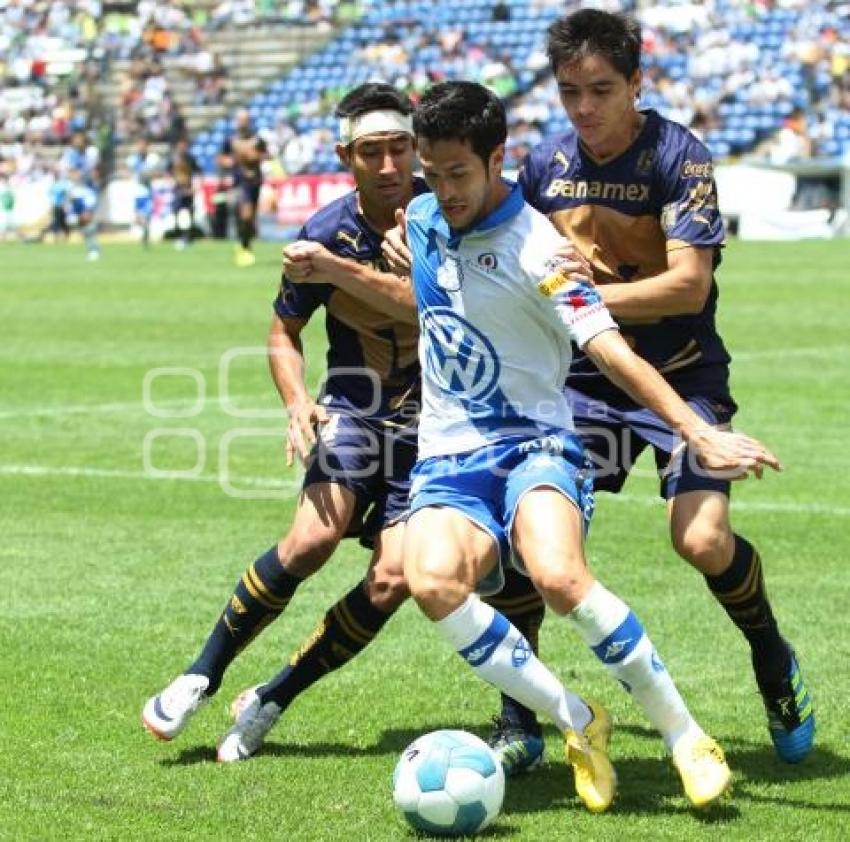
(304, 551)
(387, 589)
(437, 593)
(706, 546)
(563, 588)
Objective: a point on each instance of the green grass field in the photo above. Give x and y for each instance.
(112, 577)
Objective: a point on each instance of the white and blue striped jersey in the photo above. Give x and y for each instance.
(497, 313)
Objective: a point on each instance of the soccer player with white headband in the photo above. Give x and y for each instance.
(358, 440)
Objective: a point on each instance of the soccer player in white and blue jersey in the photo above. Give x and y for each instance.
(82, 211)
(144, 165)
(501, 473)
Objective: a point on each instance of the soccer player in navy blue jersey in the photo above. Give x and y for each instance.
(358, 440)
(243, 154)
(634, 193)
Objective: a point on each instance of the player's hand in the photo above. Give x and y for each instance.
(395, 248)
(304, 420)
(307, 262)
(579, 265)
(732, 456)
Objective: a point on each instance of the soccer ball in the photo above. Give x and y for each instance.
(448, 783)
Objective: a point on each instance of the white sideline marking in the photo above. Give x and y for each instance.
(740, 505)
(782, 353)
(789, 507)
(110, 473)
(212, 401)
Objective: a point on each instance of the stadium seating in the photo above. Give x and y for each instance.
(735, 72)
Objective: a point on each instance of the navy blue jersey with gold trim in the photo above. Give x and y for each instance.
(359, 336)
(625, 216)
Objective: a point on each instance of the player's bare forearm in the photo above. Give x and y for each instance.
(728, 455)
(307, 261)
(384, 291)
(613, 357)
(681, 290)
(286, 361)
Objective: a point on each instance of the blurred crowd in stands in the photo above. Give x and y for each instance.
(770, 77)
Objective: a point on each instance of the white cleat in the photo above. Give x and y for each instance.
(253, 721)
(167, 714)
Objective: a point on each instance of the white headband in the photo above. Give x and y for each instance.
(372, 122)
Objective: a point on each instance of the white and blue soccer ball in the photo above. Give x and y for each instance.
(449, 783)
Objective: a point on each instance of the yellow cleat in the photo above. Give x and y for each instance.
(702, 767)
(587, 752)
(243, 257)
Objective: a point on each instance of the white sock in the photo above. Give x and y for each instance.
(499, 654)
(617, 638)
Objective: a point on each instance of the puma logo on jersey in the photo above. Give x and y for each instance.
(561, 158)
(354, 241)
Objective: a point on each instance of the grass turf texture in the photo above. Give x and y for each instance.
(111, 580)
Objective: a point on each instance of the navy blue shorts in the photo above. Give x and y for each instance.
(373, 462)
(248, 194)
(615, 437)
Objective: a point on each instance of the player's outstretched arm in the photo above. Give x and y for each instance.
(286, 363)
(734, 455)
(305, 261)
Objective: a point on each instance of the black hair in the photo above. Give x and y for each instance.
(615, 37)
(373, 96)
(464, 111)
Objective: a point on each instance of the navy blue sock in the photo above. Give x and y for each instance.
(260, 597)
(345, 630)
(740, 590)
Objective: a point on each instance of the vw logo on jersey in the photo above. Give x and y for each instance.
(460, 359)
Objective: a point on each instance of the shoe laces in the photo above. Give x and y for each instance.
(188, 690)
(501, 727)
(705, 750)
(506, 731)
